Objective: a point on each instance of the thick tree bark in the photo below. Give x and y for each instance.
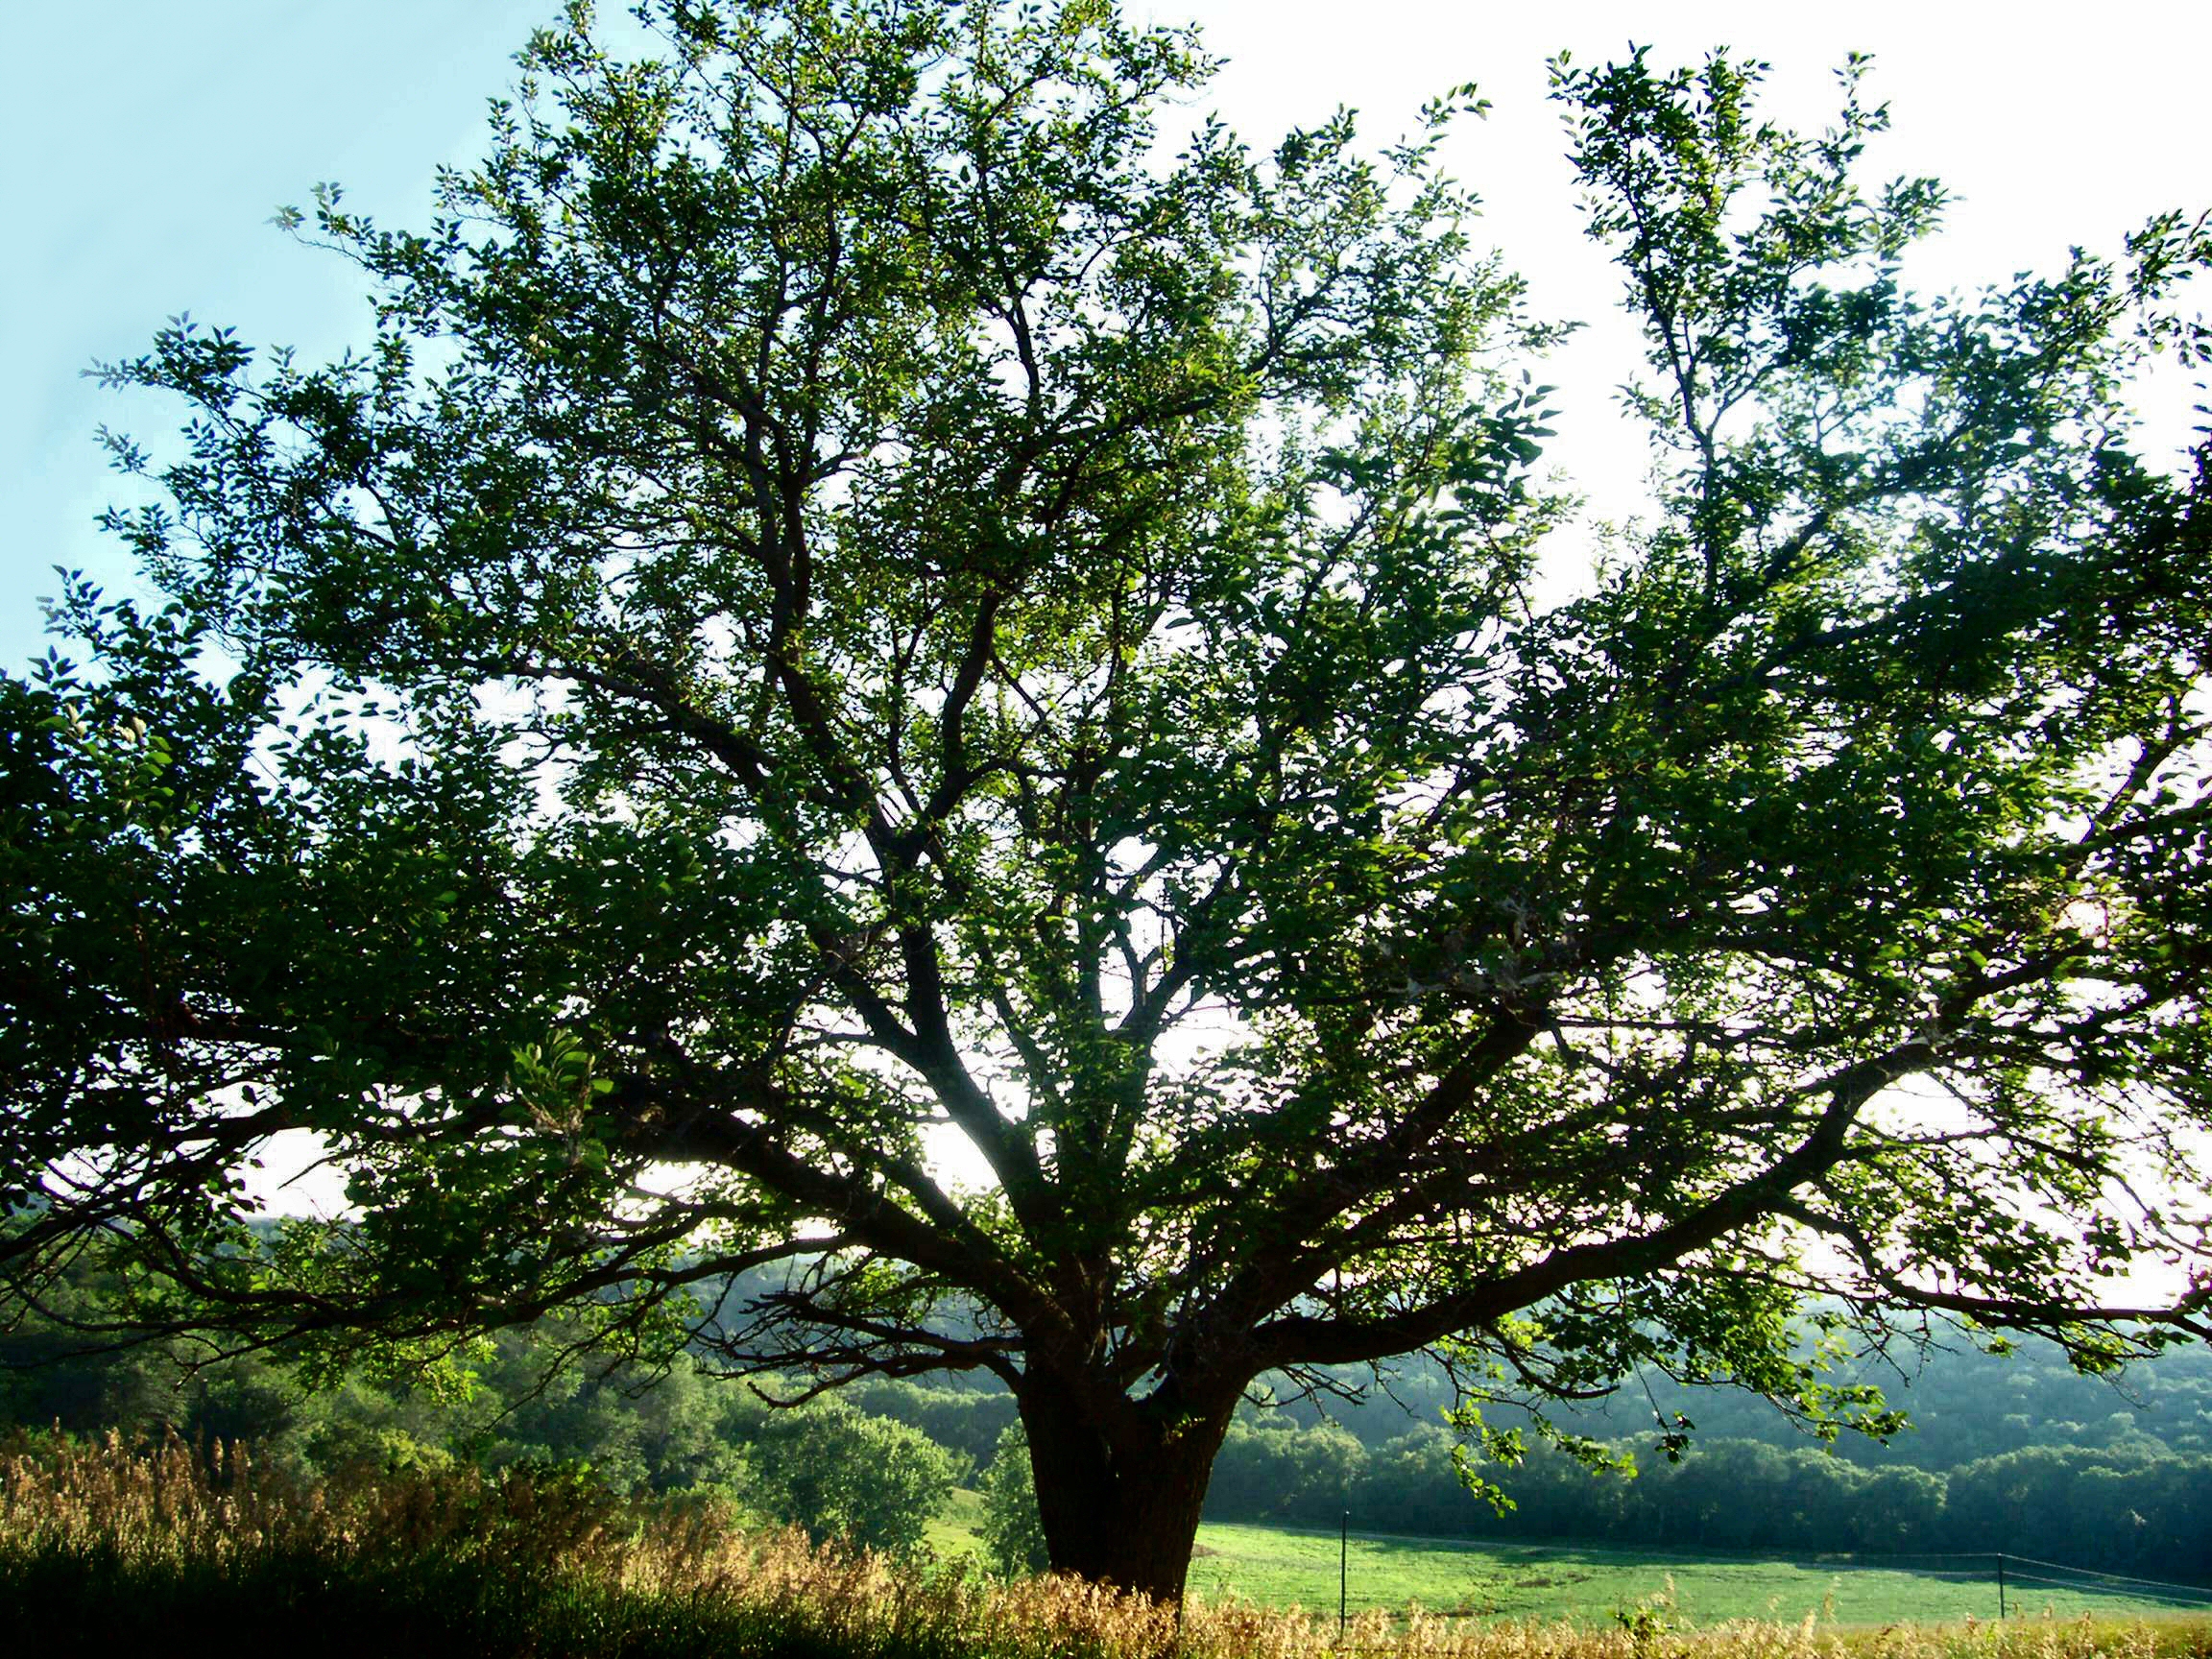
(1119, 1502)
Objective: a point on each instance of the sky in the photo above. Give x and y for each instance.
(144, 145)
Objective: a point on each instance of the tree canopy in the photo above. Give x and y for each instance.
(858, 596)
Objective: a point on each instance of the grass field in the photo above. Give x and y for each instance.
(1588, 1585)
(1280, 1567)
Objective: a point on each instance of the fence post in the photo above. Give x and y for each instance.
(1343, 1572)
(2000, 1585)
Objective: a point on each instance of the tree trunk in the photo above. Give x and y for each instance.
(1120, 1504)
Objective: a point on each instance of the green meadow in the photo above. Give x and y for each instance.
(1589, 1585)
(1285, 1567)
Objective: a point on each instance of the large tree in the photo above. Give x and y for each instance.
(857, 602)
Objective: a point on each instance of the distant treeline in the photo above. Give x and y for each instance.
(1965, 1405)
(2131, 1508)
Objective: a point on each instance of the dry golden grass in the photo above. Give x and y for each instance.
(167, 1502)
(690, 1577)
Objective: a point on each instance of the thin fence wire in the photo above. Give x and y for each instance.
(2111, 1577)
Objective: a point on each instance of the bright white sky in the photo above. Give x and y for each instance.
(144, 144)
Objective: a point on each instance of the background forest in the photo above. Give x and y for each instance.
(2019, 1454)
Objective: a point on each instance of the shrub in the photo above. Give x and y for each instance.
(862, 1480)
(1012, 1532)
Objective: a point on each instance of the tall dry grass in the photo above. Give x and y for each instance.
(169, 1502)
(109, 1543)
